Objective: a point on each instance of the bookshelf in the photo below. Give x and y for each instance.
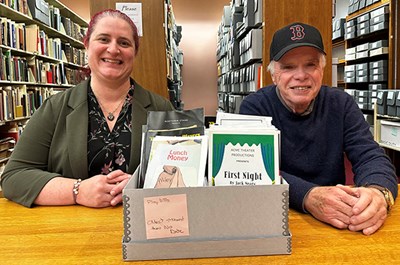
(338, 51)
(369, 50)
(369, 66)
(173, 33)
(386, 131)
(239, 53)
(41, 53)
(369, 53)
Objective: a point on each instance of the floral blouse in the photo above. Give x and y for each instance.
(109, 151)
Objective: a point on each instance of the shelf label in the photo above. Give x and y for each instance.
(134, 11)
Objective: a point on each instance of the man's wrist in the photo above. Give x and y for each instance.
(387, 194)
(305, 200)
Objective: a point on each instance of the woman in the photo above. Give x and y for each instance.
(82, 145)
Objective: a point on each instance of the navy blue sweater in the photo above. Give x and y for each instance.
(313, 146)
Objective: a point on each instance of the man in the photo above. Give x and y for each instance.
(318, 126)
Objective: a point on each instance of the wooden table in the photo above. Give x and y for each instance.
(80, 235)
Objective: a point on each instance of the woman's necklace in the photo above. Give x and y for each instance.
(110, 115)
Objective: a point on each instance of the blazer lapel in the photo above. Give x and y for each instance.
(77, 131)
(140, 104)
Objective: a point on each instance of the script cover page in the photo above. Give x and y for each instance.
(177, 162)
(244, 158)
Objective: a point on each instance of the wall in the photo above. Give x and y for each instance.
(81, 7)
(199, 45)
(279, 13)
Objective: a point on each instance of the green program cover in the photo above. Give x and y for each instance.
(244, 158)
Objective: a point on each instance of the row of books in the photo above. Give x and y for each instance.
(34, 70)
(13, 34)
(7, 144)
(238, 150)
(55, 18)
(21, 101)
(18, 5)
(13, 68)
(32, 39)
(74, 76)
(47, 73)
(73, 55)
(50, 15)
(73, 29)
(6, 147)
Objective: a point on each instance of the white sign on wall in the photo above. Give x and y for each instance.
(134, 11)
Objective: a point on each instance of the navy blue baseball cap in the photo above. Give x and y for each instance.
(293, 36)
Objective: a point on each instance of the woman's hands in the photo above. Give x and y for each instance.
(103, 190)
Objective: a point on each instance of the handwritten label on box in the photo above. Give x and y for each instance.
(166, 216)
